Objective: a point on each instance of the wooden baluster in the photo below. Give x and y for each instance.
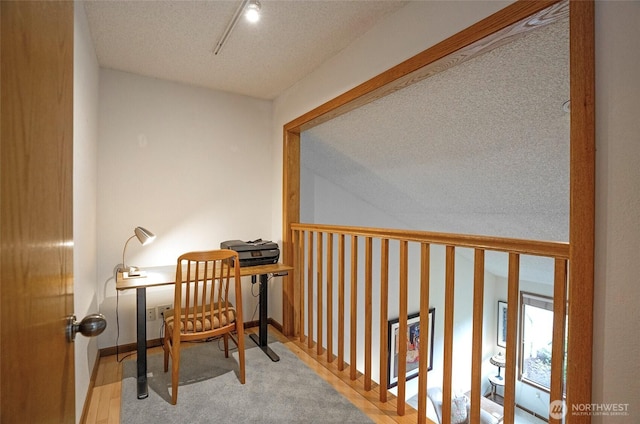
(449, 278)
(476, 354)
(402, 327)
(341, 302)
(512, 330)
(354, 308)
(558, 345)
(320, 283)
(330, 297)
(299, 270)
(384, 317)
(368, 312)
(310, 290)
(425, 336)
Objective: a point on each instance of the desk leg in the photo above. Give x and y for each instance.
(261, 338)
(141, 323)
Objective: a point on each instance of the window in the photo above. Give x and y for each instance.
(536, 335)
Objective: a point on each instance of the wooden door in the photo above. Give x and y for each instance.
(36, 239)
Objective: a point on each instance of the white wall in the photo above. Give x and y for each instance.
(616, 371)
(85, 144)
(189, 164)
(422, 24)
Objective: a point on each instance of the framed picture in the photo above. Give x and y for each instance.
(502, 324)
(413, 353)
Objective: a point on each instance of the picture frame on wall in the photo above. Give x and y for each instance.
(413, 352)
(502, 324)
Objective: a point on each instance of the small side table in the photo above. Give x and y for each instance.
(496, 382)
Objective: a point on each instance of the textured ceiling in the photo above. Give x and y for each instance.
(174, 40)
(482, 148)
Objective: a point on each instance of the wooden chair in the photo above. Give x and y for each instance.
(202, 309)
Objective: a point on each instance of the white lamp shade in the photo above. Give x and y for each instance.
(145, 236)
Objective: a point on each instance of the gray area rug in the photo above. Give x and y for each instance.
(275, 392)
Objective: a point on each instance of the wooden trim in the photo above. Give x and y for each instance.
(129, 347)
(275, 324)
(582, 207)
(290, 214)
(505, 25)
(92, 384)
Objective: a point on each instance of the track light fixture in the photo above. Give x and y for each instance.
(251, 9)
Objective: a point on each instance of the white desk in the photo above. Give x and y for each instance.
(166, 275)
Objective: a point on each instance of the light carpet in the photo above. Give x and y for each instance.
(275, 392)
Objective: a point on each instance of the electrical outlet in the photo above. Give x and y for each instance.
(151, 314)
(162, 308)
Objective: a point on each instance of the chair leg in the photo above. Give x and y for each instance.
(166, 347)
(175, 373)
(225, 337)
(240, 344)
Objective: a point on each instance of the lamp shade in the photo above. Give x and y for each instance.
(145, 236)
(498, 360)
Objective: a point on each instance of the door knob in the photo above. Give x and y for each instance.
(91, 326)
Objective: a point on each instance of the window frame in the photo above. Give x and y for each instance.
(542, 302)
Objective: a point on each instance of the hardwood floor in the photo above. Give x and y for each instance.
(104, 398)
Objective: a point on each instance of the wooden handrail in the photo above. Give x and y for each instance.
(501, 244)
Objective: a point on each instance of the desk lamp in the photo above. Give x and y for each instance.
(499, 361)
(145, 237)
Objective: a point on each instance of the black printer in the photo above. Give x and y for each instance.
(256, 252)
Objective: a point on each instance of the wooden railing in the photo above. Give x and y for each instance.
(319, 260)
